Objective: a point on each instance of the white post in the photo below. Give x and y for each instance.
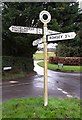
(45, 21)
(45, 67)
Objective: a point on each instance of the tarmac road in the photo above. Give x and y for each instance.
(59, 85)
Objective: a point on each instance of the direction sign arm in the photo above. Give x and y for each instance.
(62, 36)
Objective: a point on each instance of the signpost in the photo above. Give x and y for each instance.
(31, 30)
(38, 41)
(45, 18)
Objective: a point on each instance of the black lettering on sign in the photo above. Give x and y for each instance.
(31, 28)
(50, 37)
(69, 36)
(61, 36)
(12, 28)
(54, 37)
(65, 36)
(58, 37)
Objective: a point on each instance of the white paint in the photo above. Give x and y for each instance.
(13, 81)
(59, 89)
(70, 96)
(46, 103)
(65, 92)
(7, 68)
(62, 36)
(42, 13)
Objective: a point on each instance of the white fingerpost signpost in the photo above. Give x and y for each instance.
(45, 18)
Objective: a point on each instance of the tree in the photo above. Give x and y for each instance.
(65, 18)
(21, 14)
(68, 18)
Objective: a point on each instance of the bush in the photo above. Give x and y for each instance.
(18, 63)
(66, 60)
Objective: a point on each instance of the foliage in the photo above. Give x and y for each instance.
(69, 18)
(66, 17)
(17, 63)
(17, 44)
(33, 108)
(9, 75)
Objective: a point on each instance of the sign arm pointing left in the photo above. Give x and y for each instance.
(30, 30)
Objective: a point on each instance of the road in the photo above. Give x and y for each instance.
(59, 85)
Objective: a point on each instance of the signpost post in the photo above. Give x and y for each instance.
(45, 18)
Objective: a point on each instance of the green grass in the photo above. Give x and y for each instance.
(40, 56)
(33, 108)
(8, 76)
(64, 69)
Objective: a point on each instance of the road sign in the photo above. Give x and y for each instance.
(38, 41)
(45, 16)
(62, 36)
(21, 29)
(31, 30)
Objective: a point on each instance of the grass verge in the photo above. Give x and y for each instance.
(12, 76)
(64, 69)
(33, 108)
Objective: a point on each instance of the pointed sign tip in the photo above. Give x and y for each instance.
(10, 28)
(74, 34)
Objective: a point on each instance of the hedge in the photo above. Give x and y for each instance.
(18, 63)
(66, 60)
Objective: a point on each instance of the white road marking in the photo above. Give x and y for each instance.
(65, 92)
(70, 96)
(13, 81)
(20, 84)
(59, 89)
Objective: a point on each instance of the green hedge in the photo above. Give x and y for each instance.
(18, 63)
